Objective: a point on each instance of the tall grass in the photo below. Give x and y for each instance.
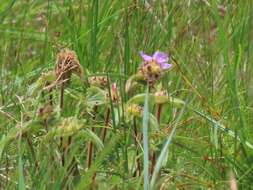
(210, 47)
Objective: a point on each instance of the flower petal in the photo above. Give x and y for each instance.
(165, 66)
(160, 57)
(145, 57)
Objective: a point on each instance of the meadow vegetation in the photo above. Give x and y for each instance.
(126, 94)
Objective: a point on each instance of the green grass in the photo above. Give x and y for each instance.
(210, 44)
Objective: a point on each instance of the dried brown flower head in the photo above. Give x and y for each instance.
(99, 81)
(67, 63)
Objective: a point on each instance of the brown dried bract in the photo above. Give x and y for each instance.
(100, 81)
(66, 63)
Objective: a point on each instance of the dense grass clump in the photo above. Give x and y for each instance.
(83, 107)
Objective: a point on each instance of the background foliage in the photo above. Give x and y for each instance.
(210, 46)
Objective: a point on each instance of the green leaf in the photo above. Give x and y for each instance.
(95, 96)
(14, 132)
(139, 99)
(85, 181)
(21, 179)
(91, 136)
(154, 125)
(132, 82)
(162, 158)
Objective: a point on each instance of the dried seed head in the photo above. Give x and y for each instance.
(99, 81)
(66, 63)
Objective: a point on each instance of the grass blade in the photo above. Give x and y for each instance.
(145, 141)
(21, 179)
(161, 158)
(165, 149)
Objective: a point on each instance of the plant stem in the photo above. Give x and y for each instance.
(137, 152)
(50, 97)
(90, 148)
(29, 142)
(158, 113)
(45, 124)
(107, 119)
(61, 139)
(90, 153)
(62, 97)
(63, 155)
(158, 117)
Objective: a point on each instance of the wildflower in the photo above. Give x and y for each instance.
(66, 63)
(154, 66)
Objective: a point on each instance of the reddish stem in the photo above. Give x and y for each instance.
(62, 97)
(107, 119)
(158, 113)
(90, 151)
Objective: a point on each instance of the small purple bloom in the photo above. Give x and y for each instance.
(146, 57)
(159, 57)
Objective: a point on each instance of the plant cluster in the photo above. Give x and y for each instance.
(100, 112)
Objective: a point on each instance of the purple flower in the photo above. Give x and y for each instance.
(158, 57)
